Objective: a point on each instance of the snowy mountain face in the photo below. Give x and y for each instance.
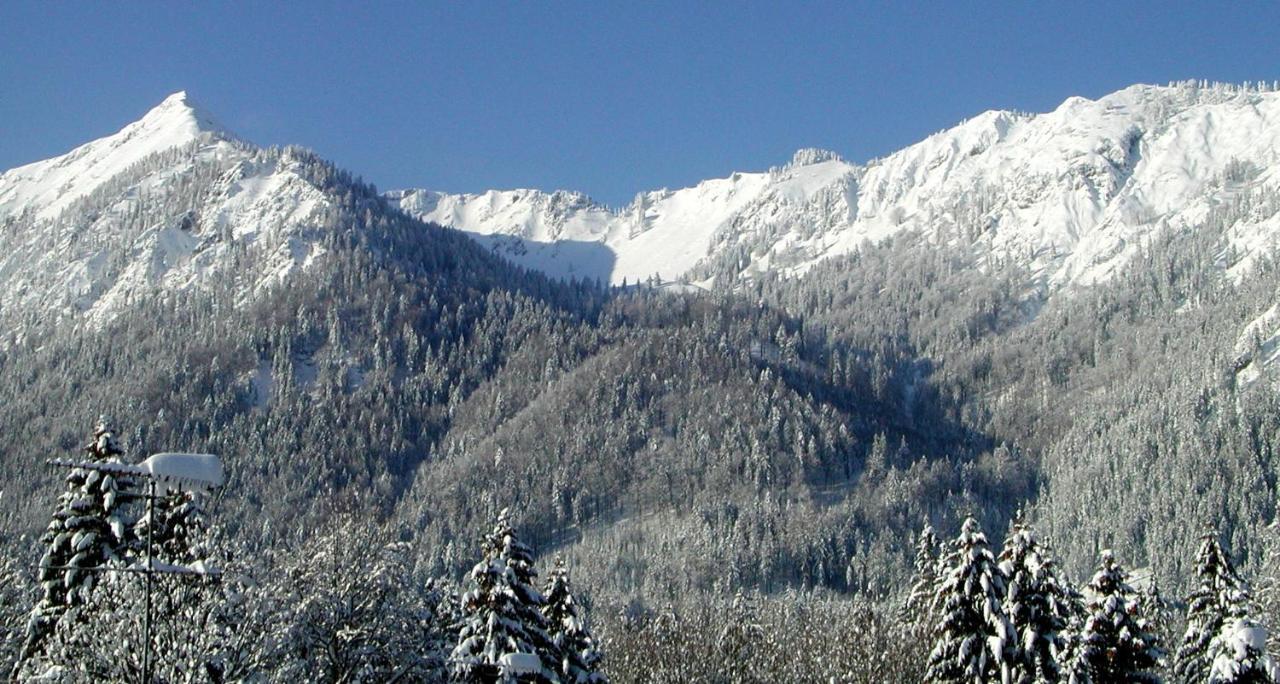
(170, 202)
(1071, 194)
(174, 201)
(46, 188)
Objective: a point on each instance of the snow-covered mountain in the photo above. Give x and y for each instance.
(45, 188)
(174, 200)
(169, 202)
(1071, 193)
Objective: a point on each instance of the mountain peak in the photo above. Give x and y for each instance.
(178, 113)
(813, 155)
(47, 187)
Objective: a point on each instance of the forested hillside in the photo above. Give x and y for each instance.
(735, 480)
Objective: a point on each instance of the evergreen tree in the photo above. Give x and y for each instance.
(974, 641)
(1116, 644)
(1240, 655)
(504, 634)
(579, 654)
(180, 524)
(916, 609)
(1039, 607)
(90, 529)
(1219, 598)
(15, 585)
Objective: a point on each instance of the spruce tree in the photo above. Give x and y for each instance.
(1240, 655)
(916, 610)
(579, 656)
(179, 527)
(91, 529)
(1219, 598)
(974, 641)
(1039, 607)
(1116, 644)
(504, 634)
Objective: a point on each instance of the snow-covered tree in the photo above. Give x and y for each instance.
(196, 634)
(1116, 644)
(916, 608)
(1038, 605)
(346, 606)
(579, 655)
(1219, 598)
(15, 587)
(504, 634)
(91, 529)
(1240, 655)
(178, 529)
(974, 641)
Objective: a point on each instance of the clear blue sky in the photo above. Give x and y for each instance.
(605, 97)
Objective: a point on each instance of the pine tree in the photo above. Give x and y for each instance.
(179, 527)
(15, 585)
(974, 641)
(504, 634)
(91, 529)
(916, 610)
(1240, 655)
(1220, 597)
(1116, 644)
(1039, 607)
(579, 654)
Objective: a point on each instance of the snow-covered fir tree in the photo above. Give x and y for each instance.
(1267, 582)
(916, 611)
(973, 639)
(195, 631)
(180, 522)
(504, 634)
(15, 587)
(1038, 605)
(90, 529)
(1240, 655)
(1220, 597)
(1116, 644)
(579, 655)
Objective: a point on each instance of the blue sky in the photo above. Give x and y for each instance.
(610, 98)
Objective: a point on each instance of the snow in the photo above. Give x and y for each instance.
(1073, 194)
(188, 471)
(1243, 650)
(520, 663)
(47, 187)
(59, 262)
(263, 383)
(195, 472)
(197, 568)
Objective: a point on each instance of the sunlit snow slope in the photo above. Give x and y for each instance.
(1071, 193)
(170, 202)
(45, 188)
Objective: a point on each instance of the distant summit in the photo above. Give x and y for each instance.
(813, 155)
(177, 111)
(1070, 195)
(45, 188)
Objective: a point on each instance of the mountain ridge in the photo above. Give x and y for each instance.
(49, 186)
(1073, 192)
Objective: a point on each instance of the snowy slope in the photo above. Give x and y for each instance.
(48, 187)
(664, 233)
(174, 201)
(170, 202)
(1072, 193)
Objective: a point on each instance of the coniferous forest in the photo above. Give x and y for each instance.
(908, 463)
